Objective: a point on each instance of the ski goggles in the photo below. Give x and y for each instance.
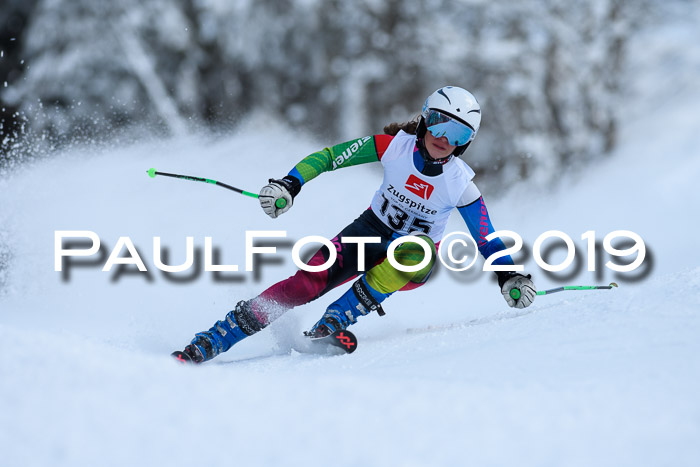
(440, 124)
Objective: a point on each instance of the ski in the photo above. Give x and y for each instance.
(343, 339)
(189, 355)
(181, 357)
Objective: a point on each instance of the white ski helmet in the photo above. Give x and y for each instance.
(454, 113)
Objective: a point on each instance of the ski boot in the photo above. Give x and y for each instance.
(238, 324)
(359, 300)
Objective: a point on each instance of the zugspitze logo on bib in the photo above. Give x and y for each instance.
(417, 186)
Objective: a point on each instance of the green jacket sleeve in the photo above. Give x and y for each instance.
(355, 152)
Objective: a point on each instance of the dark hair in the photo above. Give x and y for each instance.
(409, 127)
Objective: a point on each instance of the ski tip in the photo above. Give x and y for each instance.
(181, 357)
(345, 340)
(613, 284)
(151, 172)
(342, 339)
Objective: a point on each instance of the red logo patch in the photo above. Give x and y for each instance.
(345, 340)
(417, 186)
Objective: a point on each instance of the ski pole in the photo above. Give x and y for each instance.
(280, 203)
(515, 293)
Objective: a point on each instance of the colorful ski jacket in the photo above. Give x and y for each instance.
(415, 197)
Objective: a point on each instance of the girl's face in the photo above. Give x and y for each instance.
(438, 148)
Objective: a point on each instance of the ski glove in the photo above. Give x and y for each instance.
(284, 189)
(518, 290)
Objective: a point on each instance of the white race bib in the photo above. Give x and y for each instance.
(410, 202)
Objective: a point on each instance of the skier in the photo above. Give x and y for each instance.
(424, 179)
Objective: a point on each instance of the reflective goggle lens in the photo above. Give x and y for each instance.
(440, 125)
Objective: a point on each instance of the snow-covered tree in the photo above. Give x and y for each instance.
(92, 65)
(547, 73)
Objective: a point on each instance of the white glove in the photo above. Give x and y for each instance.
(519, 291)
(278, 196)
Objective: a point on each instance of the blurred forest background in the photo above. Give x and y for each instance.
(550, 74)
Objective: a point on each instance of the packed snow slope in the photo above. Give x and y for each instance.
(450, 376)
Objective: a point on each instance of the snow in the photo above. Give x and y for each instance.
(450, 376)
